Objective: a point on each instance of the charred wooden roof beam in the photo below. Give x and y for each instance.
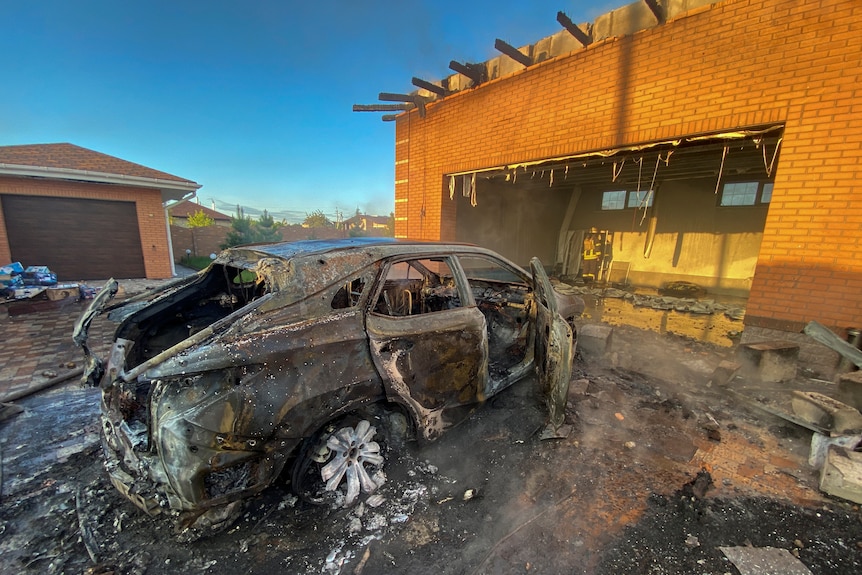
(475, 72)
(513, 53)
(415, 99)
(656, 10)
(383, 107)
(433, 88)
(572, 29)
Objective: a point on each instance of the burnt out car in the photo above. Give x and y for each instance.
(289, 360)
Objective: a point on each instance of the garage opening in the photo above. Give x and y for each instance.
(689, 210)
(78, 239)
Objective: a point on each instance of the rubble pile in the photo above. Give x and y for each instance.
(658, 302)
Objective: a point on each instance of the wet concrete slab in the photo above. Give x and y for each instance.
(54, 426)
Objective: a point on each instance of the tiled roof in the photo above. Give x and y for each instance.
(186, 209)
(72, 157)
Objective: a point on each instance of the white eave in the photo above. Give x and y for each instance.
(172, 190)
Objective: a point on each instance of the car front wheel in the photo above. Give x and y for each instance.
(343, 452)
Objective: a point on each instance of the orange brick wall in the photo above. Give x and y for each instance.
(148, 203)
(737, 63)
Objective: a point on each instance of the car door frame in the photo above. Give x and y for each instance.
(439, 378)
(553, 346)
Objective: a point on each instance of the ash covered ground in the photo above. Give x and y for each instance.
(620, 494)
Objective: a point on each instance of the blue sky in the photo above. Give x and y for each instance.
(250, 99)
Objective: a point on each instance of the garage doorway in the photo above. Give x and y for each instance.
(77, 239)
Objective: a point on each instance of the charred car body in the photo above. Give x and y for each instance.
(218, 383)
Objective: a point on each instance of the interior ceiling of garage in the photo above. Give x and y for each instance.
(737, 155)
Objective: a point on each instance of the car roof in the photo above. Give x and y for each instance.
(380, 247)
(305, 267)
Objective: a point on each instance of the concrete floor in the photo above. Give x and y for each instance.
(640, 414)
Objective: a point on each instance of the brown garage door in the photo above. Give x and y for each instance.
(77, 239)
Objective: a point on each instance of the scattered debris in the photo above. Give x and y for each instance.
(823, 411)
(699, 486)
(724, 373)
(764, 561)
(841, 474)
(361, 565)
(595, 339)
(769, 361)
(850, 388)
(712, 428)
(820, 333)
(820, 445)
(87, 536)
(682, 289)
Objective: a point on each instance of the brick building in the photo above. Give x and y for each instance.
(182, 211)
(713, 142)
(84, 214)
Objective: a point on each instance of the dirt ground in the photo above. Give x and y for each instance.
(660, 470)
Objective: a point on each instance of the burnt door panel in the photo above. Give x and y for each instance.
(430, 350)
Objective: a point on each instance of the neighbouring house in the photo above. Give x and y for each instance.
(181, 211)
(371, 225)
(713, 142)
(84, 214)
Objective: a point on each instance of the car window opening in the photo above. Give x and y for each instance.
(417, 287)
(349, 294)
(504, 298)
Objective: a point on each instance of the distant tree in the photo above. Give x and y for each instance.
(200, 220)
(390, 226)
(240, 232)
(244, 230)
(317, 219)
(265, 230)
